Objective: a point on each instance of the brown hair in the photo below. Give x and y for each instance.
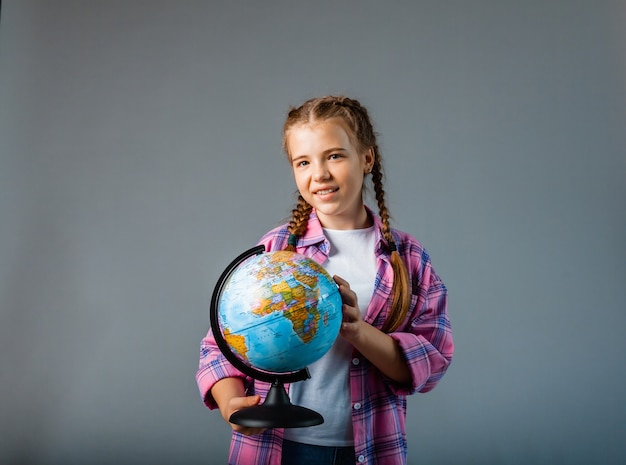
(361, 133)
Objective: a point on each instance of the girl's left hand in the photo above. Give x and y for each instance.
(379, 348)
(352, 321)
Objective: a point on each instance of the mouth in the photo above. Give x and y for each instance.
(325, 191)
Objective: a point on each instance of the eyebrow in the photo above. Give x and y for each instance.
(334, 149)
(298, 158)
(325, 152)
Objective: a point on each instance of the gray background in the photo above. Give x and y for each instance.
(140, 152)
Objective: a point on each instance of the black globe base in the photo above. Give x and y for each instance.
(276, 412)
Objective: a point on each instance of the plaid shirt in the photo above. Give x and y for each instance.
(379, 403)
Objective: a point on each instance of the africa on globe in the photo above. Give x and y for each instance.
(279, 311)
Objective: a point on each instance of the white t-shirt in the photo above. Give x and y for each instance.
(328, 391)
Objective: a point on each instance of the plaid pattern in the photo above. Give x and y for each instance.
(379, 404)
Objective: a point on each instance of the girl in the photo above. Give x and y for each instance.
(395, 337)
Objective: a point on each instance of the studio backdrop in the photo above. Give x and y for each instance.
(140, 152)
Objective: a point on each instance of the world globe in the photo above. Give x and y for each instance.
(272, 314)
(280, 311)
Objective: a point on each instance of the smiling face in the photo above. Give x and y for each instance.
(329, 173)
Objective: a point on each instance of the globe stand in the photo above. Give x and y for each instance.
(277, 411)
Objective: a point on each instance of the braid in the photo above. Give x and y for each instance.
(400, 291)
(299, 220)
(377, 180)
(362, 135)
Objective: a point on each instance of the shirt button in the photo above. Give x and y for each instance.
(361, 458)
(357, 406)
(355, 361)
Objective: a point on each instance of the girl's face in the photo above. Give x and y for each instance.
(329, 173)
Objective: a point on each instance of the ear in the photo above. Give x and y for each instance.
(369, 158)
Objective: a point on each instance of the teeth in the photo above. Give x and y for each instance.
(327, 191)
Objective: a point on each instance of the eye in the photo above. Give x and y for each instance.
(334, 156)
(301, 163)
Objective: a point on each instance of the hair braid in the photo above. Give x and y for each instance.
(377, 181)
(400, 291)
(299, 220)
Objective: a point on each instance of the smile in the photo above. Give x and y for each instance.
(325, 191)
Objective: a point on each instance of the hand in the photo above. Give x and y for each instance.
(352, 321)
(238, 403)
(229, 394)
(379, 348)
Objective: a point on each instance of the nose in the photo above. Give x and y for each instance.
(321, 172)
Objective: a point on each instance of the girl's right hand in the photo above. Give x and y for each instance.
(238, 403)
(229, 394)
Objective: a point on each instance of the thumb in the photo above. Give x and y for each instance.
(252, 400)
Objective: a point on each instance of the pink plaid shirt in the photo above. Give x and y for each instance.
(379, 404)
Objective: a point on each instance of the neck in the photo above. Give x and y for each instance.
(361, 220)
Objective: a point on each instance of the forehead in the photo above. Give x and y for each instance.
(316, 135)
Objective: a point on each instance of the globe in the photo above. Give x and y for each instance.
(279, 311)
(272, 314)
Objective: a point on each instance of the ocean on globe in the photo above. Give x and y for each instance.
(280, 311)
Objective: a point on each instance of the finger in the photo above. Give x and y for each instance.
(241, 403)
(250, 431)
(247, 431)
(251, 401)
(350, 313)
(340, 281)
(349, 330)
(238, 403)
(348, 327)
(348, 296)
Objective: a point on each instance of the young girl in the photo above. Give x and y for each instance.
(395, 337)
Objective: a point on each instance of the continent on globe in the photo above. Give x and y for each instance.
(237, 343)
(310, 281)
(304, 321)
(298, 303)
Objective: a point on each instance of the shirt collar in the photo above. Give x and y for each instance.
(314, 234)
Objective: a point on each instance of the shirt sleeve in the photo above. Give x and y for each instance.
(212, 368)
(426, 340)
